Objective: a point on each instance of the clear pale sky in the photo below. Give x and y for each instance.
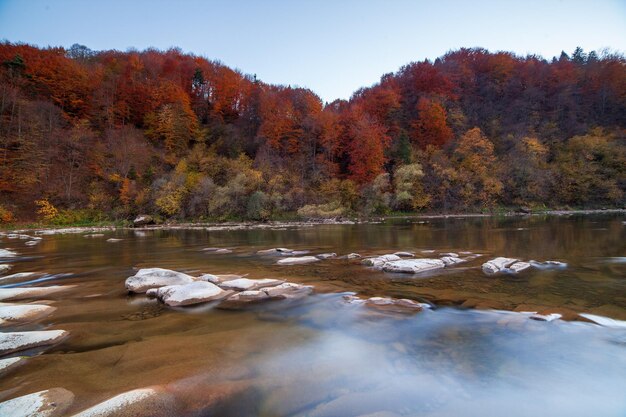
(331, 47)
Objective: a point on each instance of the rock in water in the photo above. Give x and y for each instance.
(4, 268)
(48, 403)
(143, 219)
(452, 260)
(148, 278)
(143, 402)
(244, 284)
(326, 256)
(192, 293)
(7, 364)
(287, 290)
(519, 266)
(16, 341)
(20, 313)
(497, 265)
(23, 293)
(4, 253)
(379, 261)
(298, 260)
(413, 266)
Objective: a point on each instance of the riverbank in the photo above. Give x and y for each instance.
(291, 222)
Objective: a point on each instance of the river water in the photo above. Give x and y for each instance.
(472, 354)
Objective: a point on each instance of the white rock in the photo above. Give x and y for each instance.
(5, 253)
(379, 261)
(9, 363)
(217, 250)
(4, 268)
(405, 254)
(352, 256)
(394, 304)
(276, 251)
(16, 341)
(94, 235)
(217, 279)
(605, 321)
(288, 290)
(48, 403)
(19, 275)
(413, 266)
(16, 313)
(120, 403)
(192, 293)
(113, 240)
(548, 264)
(22, 293)
(148, 278)
(32, 242)
(298, 260)
(497, 265)
(450, 254)
(244, 284)
(326, 255)
(452, 260)
(519, 266)
(546, 317)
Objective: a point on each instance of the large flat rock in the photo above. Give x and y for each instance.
(298, 260)
(497, 265)
(413, 266)
(16, 341)
(193, 293)
(244, 284)
(24, 293)
(47, 403)
(148, 278)
(20, 313)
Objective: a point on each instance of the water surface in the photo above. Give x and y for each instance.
(323, 357)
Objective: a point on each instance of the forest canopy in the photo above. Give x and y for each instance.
(107, 134)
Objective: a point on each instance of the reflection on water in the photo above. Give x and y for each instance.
(323, 357)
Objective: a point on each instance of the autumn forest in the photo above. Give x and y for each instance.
(106, 135)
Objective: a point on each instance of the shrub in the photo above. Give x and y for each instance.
(6, 216)
(46, 210)
(324, 211)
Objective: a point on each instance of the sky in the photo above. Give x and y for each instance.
(333, 47)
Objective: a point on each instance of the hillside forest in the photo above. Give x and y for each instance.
(106, 135)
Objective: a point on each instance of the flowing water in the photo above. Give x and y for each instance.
(470, 355)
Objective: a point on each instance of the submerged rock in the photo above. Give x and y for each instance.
(5, 253)
(16, 341)
(113, 240)
(405, 254)
(326, 256)
(143, 402)
(19, 313)
(4, 268)
(94, 235)
(244, 284)
(298, 260)
(192, 293)
(413, 266)
(22, 293)
(217, 250)
(32, 242)
(497, 265)
(48, 403)
(148, 278)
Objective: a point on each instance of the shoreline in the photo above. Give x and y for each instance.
(273, 224)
